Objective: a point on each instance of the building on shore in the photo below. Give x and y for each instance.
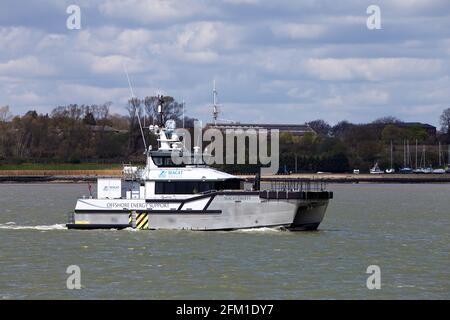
(294, 129)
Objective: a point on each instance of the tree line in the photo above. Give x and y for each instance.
(82, 133)
(91, 133)
(347, 146)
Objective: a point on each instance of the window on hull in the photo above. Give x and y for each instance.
(192, 187)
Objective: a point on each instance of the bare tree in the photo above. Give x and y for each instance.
(445, 121)
(387, 120)
(320, 127)
(171, 108)
(100, 112)
(5, 115)
(134, 111)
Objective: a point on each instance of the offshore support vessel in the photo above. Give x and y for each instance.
(166, 195)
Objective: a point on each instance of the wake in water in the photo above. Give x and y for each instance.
(249, 230)
(13, 226)
(262, 229)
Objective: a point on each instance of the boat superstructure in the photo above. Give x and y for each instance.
(190, 195)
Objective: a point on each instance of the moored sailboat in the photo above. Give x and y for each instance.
(391, 169)
(406, 159)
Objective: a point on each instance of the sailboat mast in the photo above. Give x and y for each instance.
(416, 153)
(391, 155)
(440, 162)
(408, 157)
(404, 154)
(424, 159)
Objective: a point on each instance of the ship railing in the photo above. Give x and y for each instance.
(130, 172)
(293, 185)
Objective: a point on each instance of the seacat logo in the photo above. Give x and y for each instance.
(173, 173)
(109, 188)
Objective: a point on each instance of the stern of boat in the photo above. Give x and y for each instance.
(309, 216)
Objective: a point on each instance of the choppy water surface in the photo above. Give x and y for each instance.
(402, 228)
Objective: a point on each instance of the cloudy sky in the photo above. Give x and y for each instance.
(284, 61)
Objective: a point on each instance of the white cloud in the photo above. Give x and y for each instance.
(287, 56)
(28, 98)
(15, 40)
(299, 31)
(198, 36)
(92, 94)
(109, 64)
(112, 40)
(151, 11)
(208, 35)
(29, 66)
(364, 98)
(416, 4)
(374, 69)
(300, 93)
(242, 1)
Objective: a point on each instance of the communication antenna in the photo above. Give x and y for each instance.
(137, 113)
(215, 106)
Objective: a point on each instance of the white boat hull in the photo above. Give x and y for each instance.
(219, 211)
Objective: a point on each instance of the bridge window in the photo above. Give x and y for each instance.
(193, 187)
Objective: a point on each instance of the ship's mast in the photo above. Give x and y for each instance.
(160, 110)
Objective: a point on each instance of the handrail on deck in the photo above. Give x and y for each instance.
(294, 185)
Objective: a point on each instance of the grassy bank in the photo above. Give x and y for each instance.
(59, 166)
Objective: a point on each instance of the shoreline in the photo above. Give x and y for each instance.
(78, 176)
